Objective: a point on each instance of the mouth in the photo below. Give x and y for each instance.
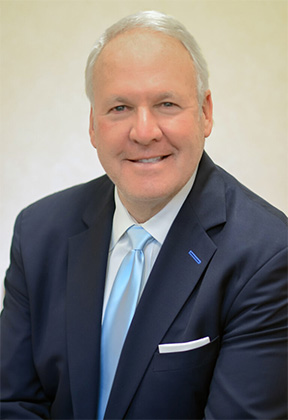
(150, 160)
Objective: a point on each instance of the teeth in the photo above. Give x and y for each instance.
(150, 160)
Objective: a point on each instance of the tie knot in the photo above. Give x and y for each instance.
(138, 236)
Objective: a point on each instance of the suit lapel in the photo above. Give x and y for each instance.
(87, 261)
(182, 260)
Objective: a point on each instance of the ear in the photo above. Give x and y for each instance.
(207, 110)
(91, 128)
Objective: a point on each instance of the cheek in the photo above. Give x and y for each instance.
(110, 145)
(185, 124)
(110, 136)
(185, 135)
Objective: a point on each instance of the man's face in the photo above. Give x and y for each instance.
(145, 123)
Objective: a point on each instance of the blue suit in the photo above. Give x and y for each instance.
(234, 292)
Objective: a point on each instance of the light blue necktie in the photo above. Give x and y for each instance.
(120, 310)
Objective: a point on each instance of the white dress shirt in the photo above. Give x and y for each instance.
(158, 227)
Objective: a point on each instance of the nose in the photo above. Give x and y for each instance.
(145, 127)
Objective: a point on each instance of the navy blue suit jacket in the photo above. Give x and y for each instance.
(235, 293)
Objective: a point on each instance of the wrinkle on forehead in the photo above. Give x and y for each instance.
(142, 47)
(143, 37)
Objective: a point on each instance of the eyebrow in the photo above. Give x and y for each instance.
(158, 97)
(166, 95)
(113, 99)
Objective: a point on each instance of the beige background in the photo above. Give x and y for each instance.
(44, 112)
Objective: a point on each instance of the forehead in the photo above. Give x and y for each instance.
(141, 48)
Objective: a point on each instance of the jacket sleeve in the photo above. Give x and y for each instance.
(250, 376)
(22, 396)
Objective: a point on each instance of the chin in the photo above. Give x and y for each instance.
(155, 197)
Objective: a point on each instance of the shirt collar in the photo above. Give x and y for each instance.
(159, 225)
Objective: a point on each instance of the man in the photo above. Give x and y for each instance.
(207, 338)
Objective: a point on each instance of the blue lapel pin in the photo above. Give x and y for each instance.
(194, 256)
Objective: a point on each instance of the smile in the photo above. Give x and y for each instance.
(150, 160)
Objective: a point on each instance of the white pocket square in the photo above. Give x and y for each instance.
(178, 347)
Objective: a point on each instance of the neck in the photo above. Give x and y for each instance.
(143, 210)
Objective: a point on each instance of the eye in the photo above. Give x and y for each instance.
(168, 104)
(119, 108)
(168, 107)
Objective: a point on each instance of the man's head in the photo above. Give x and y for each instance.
(146, 121)
(158, 22)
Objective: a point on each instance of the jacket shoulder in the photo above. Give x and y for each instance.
(256, 226)
(66, 208)
(77, 195)
(248, 202)
(230, 211)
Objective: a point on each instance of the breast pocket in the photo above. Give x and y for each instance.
(187, 359)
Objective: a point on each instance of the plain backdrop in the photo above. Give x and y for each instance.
(44, 112)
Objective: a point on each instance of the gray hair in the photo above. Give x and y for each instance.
(158, 22)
